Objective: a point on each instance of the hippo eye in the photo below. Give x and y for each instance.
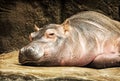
(52, 34)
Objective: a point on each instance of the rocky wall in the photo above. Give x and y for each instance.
(17, 17)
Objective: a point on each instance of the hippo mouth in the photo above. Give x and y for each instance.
(30, 54)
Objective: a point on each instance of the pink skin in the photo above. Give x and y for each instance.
(79, 56)
(76, 42)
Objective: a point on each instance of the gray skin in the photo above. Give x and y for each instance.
(86, 39)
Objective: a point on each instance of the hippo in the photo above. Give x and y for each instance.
(86, 39)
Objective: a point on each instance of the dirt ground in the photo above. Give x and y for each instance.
(12, 70)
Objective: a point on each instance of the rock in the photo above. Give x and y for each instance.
(108, 7)
(11, 70)
(17, 17)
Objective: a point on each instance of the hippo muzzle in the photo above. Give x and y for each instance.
(30, 53)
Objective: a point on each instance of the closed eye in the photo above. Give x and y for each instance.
(51, 34)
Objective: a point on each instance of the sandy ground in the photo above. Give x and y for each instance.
(9, 66)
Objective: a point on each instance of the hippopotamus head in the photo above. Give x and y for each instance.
(46, 45)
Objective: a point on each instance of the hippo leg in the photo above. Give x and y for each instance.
(106, 60)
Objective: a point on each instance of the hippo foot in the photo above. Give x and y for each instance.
(105, 61)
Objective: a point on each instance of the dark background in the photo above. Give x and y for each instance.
(17, 17)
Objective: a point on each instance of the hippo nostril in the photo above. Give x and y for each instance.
(22, 50)
(30, 53)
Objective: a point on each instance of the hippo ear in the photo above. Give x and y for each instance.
(33, 35)
(36, 28)
(66, 25)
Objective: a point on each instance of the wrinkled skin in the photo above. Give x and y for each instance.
(85, 39)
